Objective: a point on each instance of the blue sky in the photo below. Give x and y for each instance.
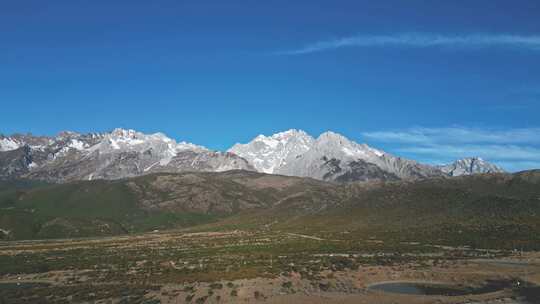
(415, 78)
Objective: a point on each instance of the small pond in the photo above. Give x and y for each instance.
(508, 263)
(438, 289)
(21, 285)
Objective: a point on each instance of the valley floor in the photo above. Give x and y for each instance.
(264, 266)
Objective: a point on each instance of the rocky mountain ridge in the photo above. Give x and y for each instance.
(468, 166)
(117, 154)
(125, 153)
(330, 156)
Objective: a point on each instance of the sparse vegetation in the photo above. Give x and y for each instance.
(216, 286)
(486, 211)
(299, 246)
(258, 295)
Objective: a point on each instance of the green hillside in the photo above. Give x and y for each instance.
(81, 209)
(497, 210)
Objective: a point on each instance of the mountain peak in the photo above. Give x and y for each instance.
(268, 153)
(68, 134)
(126, 133)
(332, 136)
(470, 165)
(290, 132)
(284, 135)
(332, 143)
(294, 152)
(8, 144)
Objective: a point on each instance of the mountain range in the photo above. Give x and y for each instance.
(118, 154)
(124, 181)
(121, 153)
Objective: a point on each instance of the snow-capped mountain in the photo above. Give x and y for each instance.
(8, 144)
(468, 166)
(329, 157)
(118, 154)
(269, 154)
(126, 153)
(19, 140)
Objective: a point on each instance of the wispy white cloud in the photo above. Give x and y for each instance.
(458, 135)
(513, 149)
(422, 40)
(514, 166)
(492, 152)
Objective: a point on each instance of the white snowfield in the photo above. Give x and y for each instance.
(8, 144)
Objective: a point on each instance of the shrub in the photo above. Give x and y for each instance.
(216, 286)
(287, 285)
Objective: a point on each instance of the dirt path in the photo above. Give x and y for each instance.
(306, 236)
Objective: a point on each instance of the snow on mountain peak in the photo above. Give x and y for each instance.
(329, 156)
(77, 144)
(290, 133)
(470, 165)
(116, 154)
(125, 133)
(68, 134)
(278, 152)
(332, 136)
(8, 144)
(126, 152)
(128, 140)
(268, 153)
(128, 137)
(338, 146)
(282, 137)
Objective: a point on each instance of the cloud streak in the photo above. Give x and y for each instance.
(422, 40)
(513, 149)
(458, 135)
(493, 152)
